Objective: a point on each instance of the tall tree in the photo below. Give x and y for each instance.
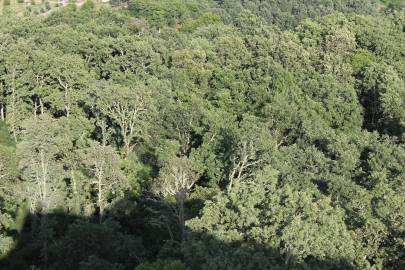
(126, 107)
(177, 178)
(103, 167)
(42, 172)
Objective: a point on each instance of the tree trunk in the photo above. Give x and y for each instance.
(127, 146)
(44, 235)
(169, 230)
(180, 198)
(100, 194)
(14, 109)
(2, 113)
(35, 109)
(67, 103)
(232, 176)
(41, 105)
(76, 206)
(44, 176)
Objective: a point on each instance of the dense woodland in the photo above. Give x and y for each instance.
(204, 135)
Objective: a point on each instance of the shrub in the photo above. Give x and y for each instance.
(89, 4)
(47, 5)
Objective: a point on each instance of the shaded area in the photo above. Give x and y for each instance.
(134, 234)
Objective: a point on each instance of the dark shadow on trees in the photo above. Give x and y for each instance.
(134, 233)
(374, 119)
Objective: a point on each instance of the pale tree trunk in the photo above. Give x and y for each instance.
(100, 203)
(44, 179)
(101, 123)
(34, 110)
(2, 113)
(127, 143)
(246, 160)
(36, 107)
(237, 171)
(65, 87)
(42, 185)
(127, 131)
(2, 104)
(126, 118)
(74, 187)
(67, 103)
(231, 177)
(14, 107)
(41, 105)
(76, 206)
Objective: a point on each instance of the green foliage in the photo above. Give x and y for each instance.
(362, 59)
(288, 13)
(205, 19)
(95, 263)
(48, 5)
(159, 13)
(393, 3)
(89, 246)
(163, 265)
(89, 4)
(203, 135)
(5, 136)
(239, 217)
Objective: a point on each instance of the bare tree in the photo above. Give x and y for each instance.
(177, 178)
(243, 160)
(44, 187)
(253, 143)
(127, 108)
(102, 163)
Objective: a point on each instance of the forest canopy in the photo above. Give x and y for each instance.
(203, 135)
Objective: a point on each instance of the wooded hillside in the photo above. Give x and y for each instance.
(203, 135)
